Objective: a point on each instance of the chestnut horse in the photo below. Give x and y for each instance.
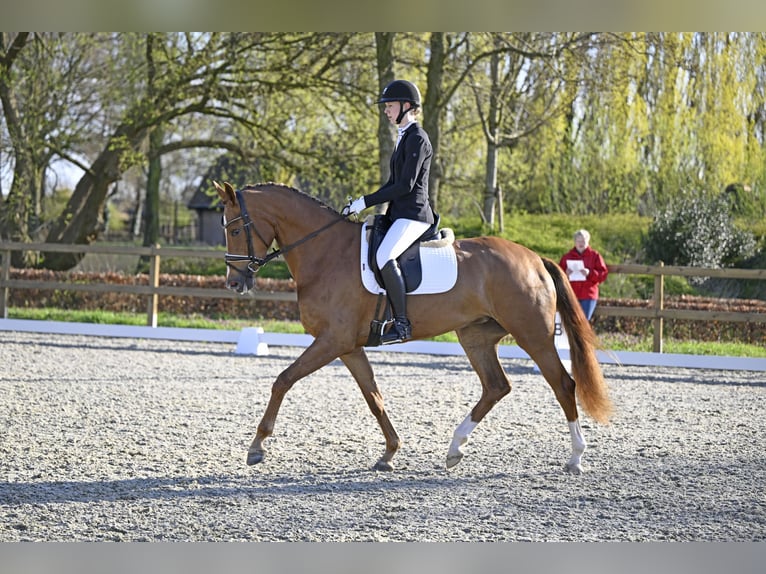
(502, 288)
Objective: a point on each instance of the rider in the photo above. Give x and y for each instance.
(407, 193)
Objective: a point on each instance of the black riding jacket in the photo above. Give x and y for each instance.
(407, 187)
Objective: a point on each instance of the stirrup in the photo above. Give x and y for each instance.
(399, 332)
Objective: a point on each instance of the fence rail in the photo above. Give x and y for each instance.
(658, 313)
(153, 290)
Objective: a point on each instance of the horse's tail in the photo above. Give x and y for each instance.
(590, 387)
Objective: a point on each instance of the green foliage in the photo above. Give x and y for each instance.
(275, 270)
(616, 237)
(698, 232)
(744, 203)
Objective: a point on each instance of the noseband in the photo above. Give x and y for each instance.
(255, 262)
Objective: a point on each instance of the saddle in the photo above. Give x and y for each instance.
(409, 261)
(433, 251)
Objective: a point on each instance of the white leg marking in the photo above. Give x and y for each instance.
(459, 438)
(578, 447)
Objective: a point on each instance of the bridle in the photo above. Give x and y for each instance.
(255, 262)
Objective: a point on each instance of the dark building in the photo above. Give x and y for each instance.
(209, 210)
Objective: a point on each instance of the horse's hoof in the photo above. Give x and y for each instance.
(575, 469)
(454, 459)
(254, 457)
(383, 465)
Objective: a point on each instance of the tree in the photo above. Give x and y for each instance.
(156, 136)
(48, 108)
(517, 82)
(384, 47)
(17, 210)
(577, 123)
(434, 104)
(213, 75)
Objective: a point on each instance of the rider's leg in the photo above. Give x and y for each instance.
(397, 294)
(401, 234)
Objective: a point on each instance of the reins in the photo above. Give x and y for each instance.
(251, 256)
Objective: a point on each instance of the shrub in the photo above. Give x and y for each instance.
(698, 232)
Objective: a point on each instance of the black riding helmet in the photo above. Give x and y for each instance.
(401, 91)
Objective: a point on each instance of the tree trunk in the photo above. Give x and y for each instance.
(384, 45)
(152, 204)
(82, 219)
(18, 210)
(20, 219)
(490, 184)
(432, 111)
(493, 123)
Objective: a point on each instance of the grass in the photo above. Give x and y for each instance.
(618, 342)
(163, 320)
(611, 341)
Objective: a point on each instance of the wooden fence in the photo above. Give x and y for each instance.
(658, 313)
(153, 290)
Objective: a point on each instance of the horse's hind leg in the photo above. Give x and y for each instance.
(360, 368)
(480, 343)
(564, 388)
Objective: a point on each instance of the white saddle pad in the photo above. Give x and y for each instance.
(439, 269)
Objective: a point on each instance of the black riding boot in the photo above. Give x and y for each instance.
(393, 281)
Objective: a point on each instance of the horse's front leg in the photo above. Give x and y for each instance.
(316, 356)
(360, 368)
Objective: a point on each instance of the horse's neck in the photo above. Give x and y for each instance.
(294, 225)
(297, 218)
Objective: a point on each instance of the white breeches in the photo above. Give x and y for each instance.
(401, 234)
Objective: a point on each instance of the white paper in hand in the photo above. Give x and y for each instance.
(575, 267)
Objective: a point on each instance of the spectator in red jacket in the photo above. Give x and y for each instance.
(586, 270)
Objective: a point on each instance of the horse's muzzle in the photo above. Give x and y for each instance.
(239, 281)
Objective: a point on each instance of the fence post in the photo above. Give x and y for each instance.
(5, 262)
(154, 282)
(659, 305)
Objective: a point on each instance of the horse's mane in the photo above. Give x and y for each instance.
(285, 187)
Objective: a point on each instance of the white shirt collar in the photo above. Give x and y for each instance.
(403, 129)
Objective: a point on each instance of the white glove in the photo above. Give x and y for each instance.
(355, 206)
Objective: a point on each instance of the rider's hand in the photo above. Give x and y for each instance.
(354, 207)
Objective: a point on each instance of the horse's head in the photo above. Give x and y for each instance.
(246, 245)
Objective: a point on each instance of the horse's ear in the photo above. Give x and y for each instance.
(226, 193)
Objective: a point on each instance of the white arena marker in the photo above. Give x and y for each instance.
(250, 343)
(561, 342)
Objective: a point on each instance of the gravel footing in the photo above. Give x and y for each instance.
(144, 440)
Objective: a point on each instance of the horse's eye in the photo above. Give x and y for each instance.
(235, 232)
